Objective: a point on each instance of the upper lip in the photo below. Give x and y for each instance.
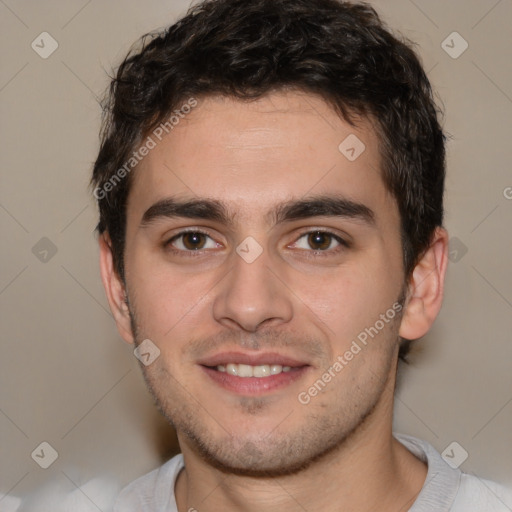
(223, 358)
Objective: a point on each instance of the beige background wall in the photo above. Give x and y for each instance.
(66, 377)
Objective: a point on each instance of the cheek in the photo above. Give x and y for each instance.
(352, 301)
(166, 302)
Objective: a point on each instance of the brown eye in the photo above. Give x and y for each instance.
(190, 241)
(320, 243)
(319, 240)
(193, 241)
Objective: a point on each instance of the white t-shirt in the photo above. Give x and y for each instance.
(445, 489)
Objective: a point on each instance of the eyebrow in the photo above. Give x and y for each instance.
(216, 210)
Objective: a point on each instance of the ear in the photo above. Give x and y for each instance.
(425, 289)
(114, 288)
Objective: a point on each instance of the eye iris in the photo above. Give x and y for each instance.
(319, 238)
(194, 238)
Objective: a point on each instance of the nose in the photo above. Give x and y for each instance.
(252, 295)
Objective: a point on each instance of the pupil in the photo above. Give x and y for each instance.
(193, 238)
(319, 238)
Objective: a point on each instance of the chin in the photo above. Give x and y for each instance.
(267, 455)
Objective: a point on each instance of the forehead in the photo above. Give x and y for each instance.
(253, 154)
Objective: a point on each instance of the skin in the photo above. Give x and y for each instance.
(255, 452)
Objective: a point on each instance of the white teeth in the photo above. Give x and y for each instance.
(232, 369)
(245, 370)
(275, 369)
(261, 371)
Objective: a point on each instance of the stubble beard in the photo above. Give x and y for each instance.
(324, 430)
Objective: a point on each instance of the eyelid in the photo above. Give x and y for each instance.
(182, 232)
(343, 243)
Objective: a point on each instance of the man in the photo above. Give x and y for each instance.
(270, 186)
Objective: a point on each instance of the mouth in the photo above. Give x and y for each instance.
(256, 374)
(247, 371)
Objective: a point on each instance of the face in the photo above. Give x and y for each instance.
(257, 257)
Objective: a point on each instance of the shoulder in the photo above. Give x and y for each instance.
(447, 488)
(479, 494)
(152, 492)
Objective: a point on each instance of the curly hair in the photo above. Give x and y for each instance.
(244, 49)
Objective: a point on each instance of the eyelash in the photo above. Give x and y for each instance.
(316, 253)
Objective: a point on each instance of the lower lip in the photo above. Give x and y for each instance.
(253, 386)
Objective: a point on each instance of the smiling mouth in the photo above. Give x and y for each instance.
(247, 370)
(254, 380)
(251, 374)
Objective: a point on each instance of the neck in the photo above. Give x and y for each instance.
(369, 471)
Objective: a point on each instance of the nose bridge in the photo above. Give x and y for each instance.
(251, 294)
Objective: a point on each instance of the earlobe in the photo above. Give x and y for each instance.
(114, 289)
(425, 290)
